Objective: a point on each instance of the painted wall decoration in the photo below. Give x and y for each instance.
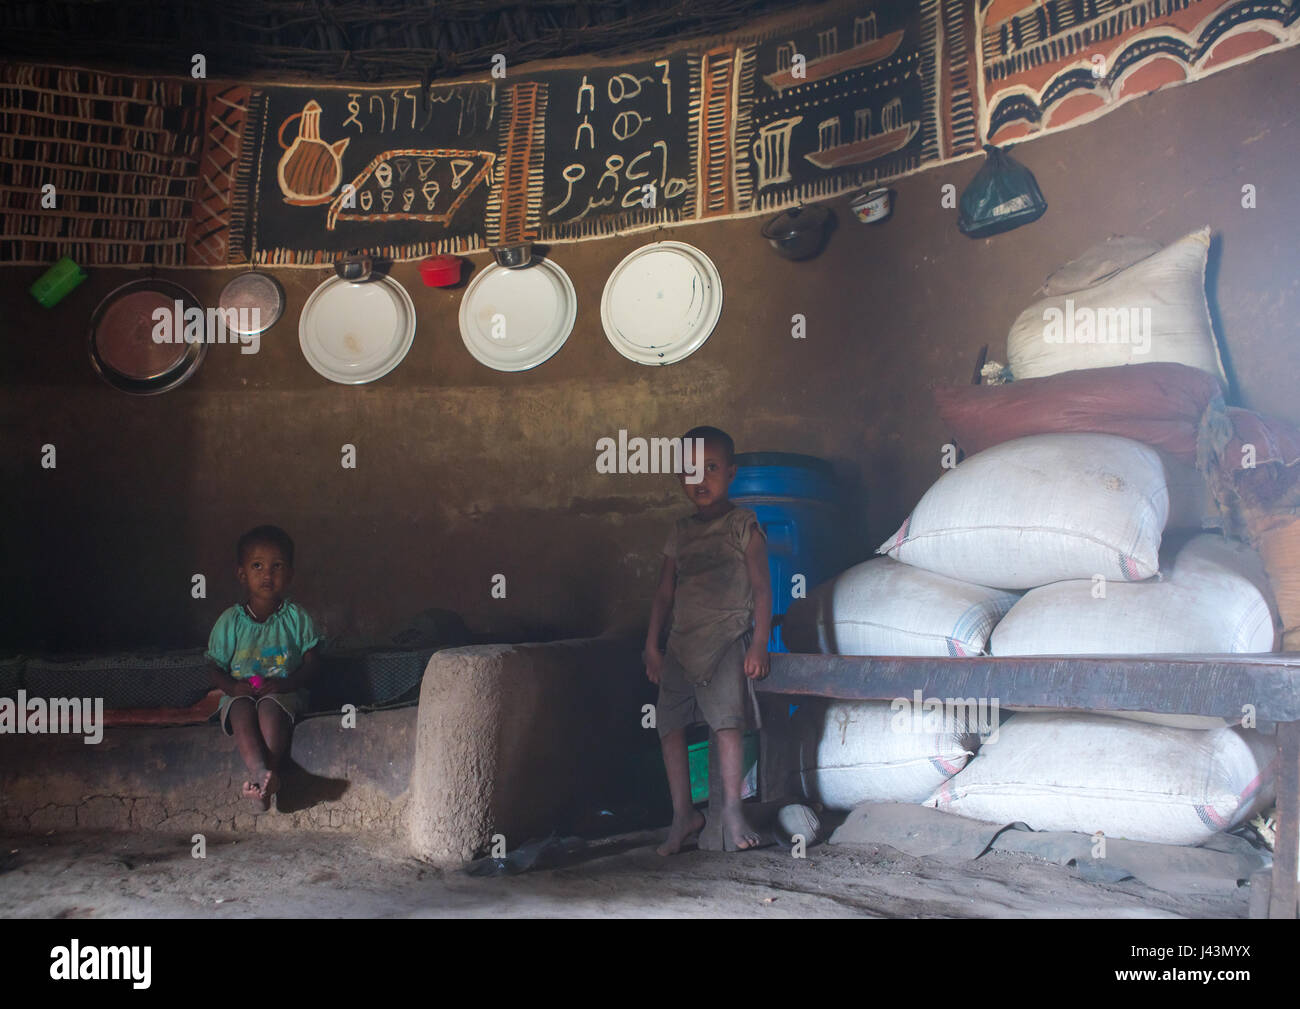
(1063, 62)
(398, 172)
(122, 155)
(834, 98)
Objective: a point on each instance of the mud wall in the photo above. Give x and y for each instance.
(463, 473)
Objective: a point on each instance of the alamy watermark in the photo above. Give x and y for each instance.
(1098, 325)
(61, 715)
(75, 962)
(179, 324)
(951, 715)
(651, 455)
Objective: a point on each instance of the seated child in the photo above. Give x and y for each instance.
(263, 652)
(714, 581)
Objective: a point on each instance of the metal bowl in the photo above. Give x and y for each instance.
(512, 257)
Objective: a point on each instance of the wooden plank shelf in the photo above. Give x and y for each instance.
(1166, 684)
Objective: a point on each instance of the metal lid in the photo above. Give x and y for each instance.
(257, 300)
(796, 221)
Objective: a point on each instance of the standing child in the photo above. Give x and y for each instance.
(263, 653)
(714, 581)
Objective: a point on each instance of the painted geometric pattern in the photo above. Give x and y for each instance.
(99, 167)
(1065, 62)
(148, 171)
(209, 240)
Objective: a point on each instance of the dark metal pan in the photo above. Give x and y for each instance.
(123, 350)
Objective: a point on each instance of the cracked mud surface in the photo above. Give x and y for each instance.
(153, 875)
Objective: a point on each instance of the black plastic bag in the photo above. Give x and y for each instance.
(1003, 195)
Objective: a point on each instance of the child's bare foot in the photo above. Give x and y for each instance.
(270, 784)
(252, 791)
(737, 834)
(680, 832)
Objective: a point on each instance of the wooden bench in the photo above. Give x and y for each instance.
(1216, 685)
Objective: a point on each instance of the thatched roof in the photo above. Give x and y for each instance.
(352, 40)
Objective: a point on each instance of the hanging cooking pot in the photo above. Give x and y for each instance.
(800, 232)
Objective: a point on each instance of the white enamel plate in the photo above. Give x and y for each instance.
(661, 303)
(513, 320)
(356, 333)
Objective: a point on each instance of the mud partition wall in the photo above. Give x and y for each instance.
(517, 740)
(513, 740)
(187, 778)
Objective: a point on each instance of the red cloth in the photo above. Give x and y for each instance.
(1159, 403)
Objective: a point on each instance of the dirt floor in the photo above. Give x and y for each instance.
(344, 876)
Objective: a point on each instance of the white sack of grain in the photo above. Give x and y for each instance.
(1214, 599)
(882, 607)
(1211, 601)
(1090, 773)
(1153, 311)
(884, 751)
(1042, 509)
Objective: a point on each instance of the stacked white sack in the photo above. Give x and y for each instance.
(1155, 310)
(882, 607)
(1214, 600)
(881, 751)
(1042, 509)
(1089, 773)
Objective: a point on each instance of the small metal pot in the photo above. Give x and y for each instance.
(356, 269)
(799, 233)
(873, 206)
(512, 257)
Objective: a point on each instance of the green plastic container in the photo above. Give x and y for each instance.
(698, 756)
(53, 285)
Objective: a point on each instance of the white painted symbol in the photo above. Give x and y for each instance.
(403, 166)
(585, 88)
(386, 197)
(627, 124)
(570, 176)
(772, 151)
(430, 190)
(459, 166)
(384, 174)
(629, 86)
(668, 85)
(425, 166)
(408, 198)
(367, 199)
(354, 107)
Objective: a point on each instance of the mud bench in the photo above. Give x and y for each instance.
(1212, 685)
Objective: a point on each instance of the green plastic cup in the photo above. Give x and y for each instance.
(53, 285)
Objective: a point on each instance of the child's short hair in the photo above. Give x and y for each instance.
(270, 536)
(713, 434)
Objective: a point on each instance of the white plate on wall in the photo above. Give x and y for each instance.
(356, 333)
(513, 320)
(661, 303)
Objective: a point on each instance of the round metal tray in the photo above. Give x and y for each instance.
(138, 331)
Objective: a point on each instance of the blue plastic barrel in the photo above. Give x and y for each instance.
(796, 501)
